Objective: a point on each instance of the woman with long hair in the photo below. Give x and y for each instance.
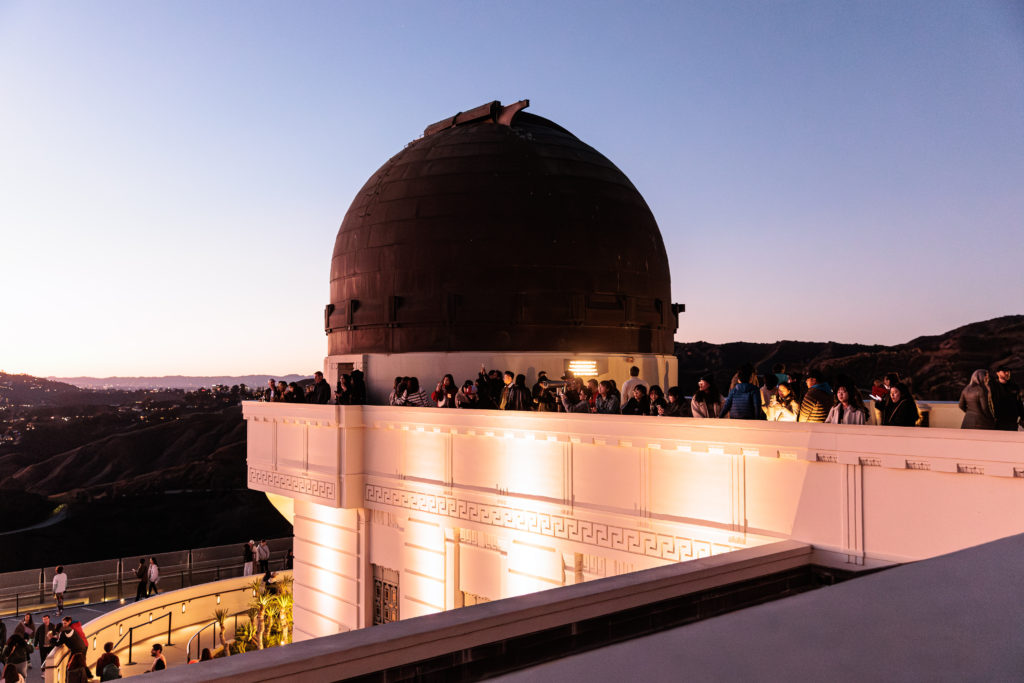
(976, 402)
(902, 408)
(16, 653)
(849, 409)
(783, 406)
(658, 402)
(707, 402)
(444, 394)
(154, 577)
(11, 675)
(607, 402)
(674, 405)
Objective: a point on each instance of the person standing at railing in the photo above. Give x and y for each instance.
(60, 584)
(154, 577)
(42, 639)
(142, 574)
(263, 554)
(248, 555)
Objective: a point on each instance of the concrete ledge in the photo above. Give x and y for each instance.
(381, 647)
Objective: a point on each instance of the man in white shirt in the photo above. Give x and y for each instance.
(632, 382)
(60, 584)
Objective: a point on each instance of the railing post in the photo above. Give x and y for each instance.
(131, 634)
(120, 582)
(169, 617)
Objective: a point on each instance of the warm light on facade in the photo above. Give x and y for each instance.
(583, 368)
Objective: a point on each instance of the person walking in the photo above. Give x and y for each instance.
(60, 584)
(142, 575)
(16, 653)
(153, 577)
(43, 640)
(248, 555)
(263, 554)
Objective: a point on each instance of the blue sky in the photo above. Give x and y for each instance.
(173, 174)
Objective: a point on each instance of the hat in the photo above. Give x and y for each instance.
(541, 373)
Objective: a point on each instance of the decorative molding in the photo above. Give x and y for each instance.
(970, 469)
(638, 542)
(918, 465)
(870, 462)
(316, 488)
(827, 457)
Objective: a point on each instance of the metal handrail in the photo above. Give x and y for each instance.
(198, 634)
(113, 588)
(64, 655)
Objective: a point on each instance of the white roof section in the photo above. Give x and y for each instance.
(958, 617)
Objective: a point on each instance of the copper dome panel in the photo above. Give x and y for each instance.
(482, 236)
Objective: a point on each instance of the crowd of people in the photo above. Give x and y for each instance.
(774, 396)
(349, 390)
(28, 638)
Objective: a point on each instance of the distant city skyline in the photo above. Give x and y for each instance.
(173, 175)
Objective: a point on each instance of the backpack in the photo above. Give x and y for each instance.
(110, 672)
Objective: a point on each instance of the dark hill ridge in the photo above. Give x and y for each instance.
(939, 365)
(194, 452)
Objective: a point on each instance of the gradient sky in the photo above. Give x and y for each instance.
(173, 174)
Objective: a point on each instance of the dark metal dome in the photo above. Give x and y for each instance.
(499, 230)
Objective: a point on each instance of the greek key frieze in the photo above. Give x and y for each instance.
(635, 541)
(317, 488)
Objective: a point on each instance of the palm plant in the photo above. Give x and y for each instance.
(221, 616)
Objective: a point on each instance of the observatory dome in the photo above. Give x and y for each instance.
(499, 230)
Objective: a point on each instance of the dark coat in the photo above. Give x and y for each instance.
(743, 402)
(635, 407)
(817, 402)
(1006, 400)
(974, 403)
(321, 392)
(902, 414)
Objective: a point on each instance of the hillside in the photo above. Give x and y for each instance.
(939, 366)
(173, 381)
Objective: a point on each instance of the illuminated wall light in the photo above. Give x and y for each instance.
(120, 629)
(94, 642)
(151, 616)
(218, 599)
(182, 608)
(583, 368)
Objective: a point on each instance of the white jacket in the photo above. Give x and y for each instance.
(154, 573)
(850, 416)
(60, 582)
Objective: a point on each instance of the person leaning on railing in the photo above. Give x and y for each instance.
(849, 409)
(902, 408)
